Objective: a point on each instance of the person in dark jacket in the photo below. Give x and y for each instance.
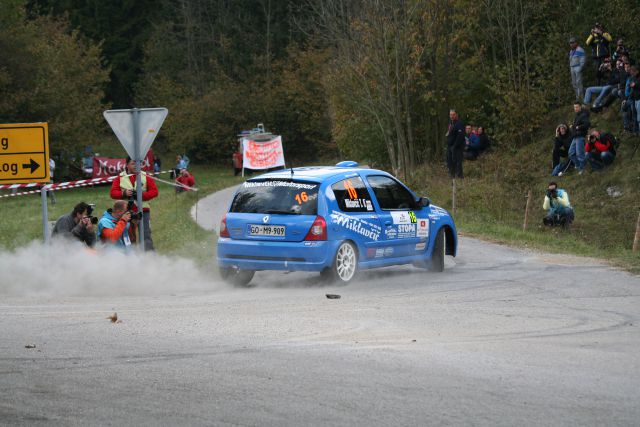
(599, 40)
(633, 98)
(610, 86)
(77, 225)
(561, 145)
(620, 51)
(579, 129)
(455, 145)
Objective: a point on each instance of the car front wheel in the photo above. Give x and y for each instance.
(236, 276)
(437, 256)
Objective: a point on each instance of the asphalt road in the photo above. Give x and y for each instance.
(502, 337)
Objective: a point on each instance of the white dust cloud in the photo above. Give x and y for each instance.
(69, 269)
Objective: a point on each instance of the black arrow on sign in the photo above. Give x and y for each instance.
(33, 165)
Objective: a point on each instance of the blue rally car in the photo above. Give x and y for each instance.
(333, 220)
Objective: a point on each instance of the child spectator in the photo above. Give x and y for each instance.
(600, 149)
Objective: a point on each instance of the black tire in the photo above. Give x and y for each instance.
(345, 265)
(235, 276)
(437, 257)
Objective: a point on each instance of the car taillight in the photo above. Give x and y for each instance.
(224, 231)
(318, 230)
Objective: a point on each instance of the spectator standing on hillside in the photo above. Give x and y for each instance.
(52, 168)
(576, 64)
(125, 187)
(633, 97)
(599, 40)
(455, 145)
(556, 203)
(600, 149)
(561, 145)
(157, 164)
(579, 131)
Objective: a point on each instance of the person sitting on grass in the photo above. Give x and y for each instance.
(556, 203)
(561, 145)
(600, 149)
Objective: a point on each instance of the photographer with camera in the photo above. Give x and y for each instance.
(600, 149)
(599, 40)
(124, 187)
(556, 203)
(79, 225)
(113, 227)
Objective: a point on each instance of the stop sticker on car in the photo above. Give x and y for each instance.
(423, 228)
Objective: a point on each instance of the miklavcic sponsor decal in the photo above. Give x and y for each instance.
(357, 225)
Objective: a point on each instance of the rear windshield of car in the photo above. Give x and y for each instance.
(277, 197)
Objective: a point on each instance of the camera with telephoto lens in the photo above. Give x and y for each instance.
(552, 194)
(94, 219)
(134, 215)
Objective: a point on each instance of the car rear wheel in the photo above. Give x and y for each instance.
(437, 257)
(236, 276)
(345, 263)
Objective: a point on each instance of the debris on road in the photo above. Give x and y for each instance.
(333, 296)
(114, 318)
(30, 346)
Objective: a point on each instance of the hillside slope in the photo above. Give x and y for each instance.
(491, 200)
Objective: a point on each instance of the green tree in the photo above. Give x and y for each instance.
(51, 74)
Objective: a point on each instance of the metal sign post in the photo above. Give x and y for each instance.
(136, 129)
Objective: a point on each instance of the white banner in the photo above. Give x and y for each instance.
(262, 155)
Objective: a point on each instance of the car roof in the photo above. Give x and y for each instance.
(318, 173)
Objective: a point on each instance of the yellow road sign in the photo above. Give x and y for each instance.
(24, 153)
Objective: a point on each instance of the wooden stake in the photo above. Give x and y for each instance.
(526, 212)
(453, 196)
(636, 239)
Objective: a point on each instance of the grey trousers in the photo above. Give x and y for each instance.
(576, 82)
(148, 243)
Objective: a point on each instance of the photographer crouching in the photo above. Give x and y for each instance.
(556, 203)
(77, 225)
(600, 149)
(113, 227)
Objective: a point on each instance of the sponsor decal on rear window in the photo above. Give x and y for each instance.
(275, 183)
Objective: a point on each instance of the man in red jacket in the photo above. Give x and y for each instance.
(124, 187)
(185, 181)
(600, 149)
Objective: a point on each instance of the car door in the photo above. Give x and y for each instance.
(353, 216)
(404, 223)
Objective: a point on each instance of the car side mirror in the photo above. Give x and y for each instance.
(423, 202)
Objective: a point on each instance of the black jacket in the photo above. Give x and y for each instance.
(581, 124)
(455, 135)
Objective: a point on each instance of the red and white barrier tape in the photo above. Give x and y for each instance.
(64, 185)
